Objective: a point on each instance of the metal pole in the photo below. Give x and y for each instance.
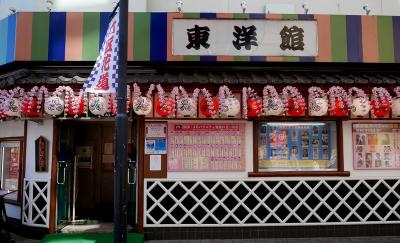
(121, 132)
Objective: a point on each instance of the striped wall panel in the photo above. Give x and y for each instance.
(61, 36)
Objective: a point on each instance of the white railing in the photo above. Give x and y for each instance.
(265, 203)
(36, 203)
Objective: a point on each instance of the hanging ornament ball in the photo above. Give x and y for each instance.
(253, 107)
(79, 109)
(98, 106)
(318, 107)
(383, 109)
(231, 107)
(340, 108)
(54, 106)
(274, 107)
(204, 109)
(360, 107)
(12, 107)
(296, 106)
(142, 106)
(396, 107)
(29, 107)
(186, 107)
(167, 108)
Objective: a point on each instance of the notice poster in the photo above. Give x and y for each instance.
(156, 138)
(290, 146)
(203, 147)
(376, 146)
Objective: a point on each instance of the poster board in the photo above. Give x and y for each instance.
(206, 147)
(155, 146)
(376, 146)
(85, 156)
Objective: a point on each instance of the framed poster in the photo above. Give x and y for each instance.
(376, 146)
(155, 138)
(84, 156)
(206, 147)
(297, 146)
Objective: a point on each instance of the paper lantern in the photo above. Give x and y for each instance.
(168, 107)
(253, 107)
(340, 108)
(54, 106)
(274, 107)
(318, 107)
(98, 106)
(396, 107)
(360, 107)
(231, 107)
(142, 106)
(12, 107)
(383, 109)
(204, 106)
(79, 109)
(30, 107)
(296, 106)
(186, 107)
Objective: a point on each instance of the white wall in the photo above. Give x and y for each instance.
(11, 128)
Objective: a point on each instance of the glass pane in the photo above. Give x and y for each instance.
(10, 155)
(297, 146)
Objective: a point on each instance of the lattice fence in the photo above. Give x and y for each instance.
(256, 203)
(36, 203)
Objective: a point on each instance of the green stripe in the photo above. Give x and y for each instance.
(91, 38)
(241, 16)
(40, 36)
(385, 39)
(191, 15)
(191, 58)
(241, 58)
(291, 59)
(290, 17)
(339, 38)
(141, 49)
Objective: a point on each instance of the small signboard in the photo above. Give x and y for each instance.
(41, 155)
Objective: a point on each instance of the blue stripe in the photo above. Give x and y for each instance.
(257, 16)
(306, 17)
(258, 59)
(3, 40)
(12, 28)
(208, 15)
(104, 20)
(158, 37)
(57, 36)
(354, 38)
(307, 59)
(208, 58)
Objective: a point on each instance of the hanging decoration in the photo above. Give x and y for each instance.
(208, 105)
(186, 106)
(75, 105)
(32, 102)
(317, 101)
(293, 101)
(2, 103)
(142, 105)
(164, 105)
(12, 102)
(251, 103)
(381, 102)
(229, 104)
(396, 103)
(98, 105)
(272, 104)
(112, 101)
(54, 105)
(360, 105)
(339, 101)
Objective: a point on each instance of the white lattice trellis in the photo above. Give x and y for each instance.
(36, 203)
(257, 202)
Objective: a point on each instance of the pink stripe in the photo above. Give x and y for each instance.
(324, 38)
(23, 47)
(130, 36)
(74, 37)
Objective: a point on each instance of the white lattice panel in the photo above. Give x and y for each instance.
(256, 203)
(36, 203)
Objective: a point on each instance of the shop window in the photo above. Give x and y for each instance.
(11, 166)
(297, 148)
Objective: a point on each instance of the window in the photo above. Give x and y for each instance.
(296, 148)
(10, 166)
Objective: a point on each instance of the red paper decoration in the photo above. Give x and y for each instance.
(340, 109)
(167, 108)
(383, 109)
(29, 107)
(76, 112)
(296, 106)
(204, 109)
(253, 107)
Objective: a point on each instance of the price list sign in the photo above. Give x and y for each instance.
(203, 147)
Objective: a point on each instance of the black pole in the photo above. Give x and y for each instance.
(121, 132)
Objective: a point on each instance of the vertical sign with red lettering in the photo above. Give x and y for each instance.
(41, 151)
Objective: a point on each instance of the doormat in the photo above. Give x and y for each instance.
(90, 238)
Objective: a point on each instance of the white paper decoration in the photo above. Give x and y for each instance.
(186, 107)
(142, 106)
(274, 107)
(360, 107)
(318, 107)
(396, 107)
(98, 105)
(12, 107)
(231, 107)
(54, 106)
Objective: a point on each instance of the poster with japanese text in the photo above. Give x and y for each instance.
(156, 138)
(206, 147)
(376, 146)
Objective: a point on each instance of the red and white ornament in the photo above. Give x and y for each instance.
(208, 107)
(339, 101)
(186, 106)
(98, 105)
(142, 106)
(317, 102)
(54, 105)
(294, 101)
(12, 107)
(166, 107)
(229, 104)
(381, 102)
(360, 105)
(272, 104)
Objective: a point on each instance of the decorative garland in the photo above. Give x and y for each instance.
(270, 93)
(337, 92)
(249, 94)
(381, 101)
(32, 101)
(210, 104)
(292, 93)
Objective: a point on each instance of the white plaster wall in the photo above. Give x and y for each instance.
(34, 131)
(11, 129)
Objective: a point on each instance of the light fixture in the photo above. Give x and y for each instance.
(243, 4)
(366, 9)
(179, 4)
(305, 7)
(49, 6)
(12, 11)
